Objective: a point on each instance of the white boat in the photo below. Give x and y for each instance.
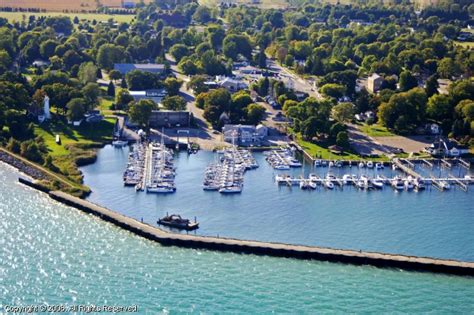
(328, 184)
(419, 184)
(409, 183)
(397, 183)
(324, 163)
(361, 164)
(314, 178)
(394, 167)
(294, 162)
(307, 184)
(338, 164)
(119, 143)
(370, 164)
(377, 182)
(161, 189)
(347, 179)
(444, 185)
(317, 163)
(231, 189)
(331, 164)
(281, 167)
(379, 166)
(312, 185)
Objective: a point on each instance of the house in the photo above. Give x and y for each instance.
(125, 68)
(245, 135)
(447, 148)
(156, 95)
(168, 118)
(231, 84)
(374, 82)
(40, 63)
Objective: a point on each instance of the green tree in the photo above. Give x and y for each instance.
(140, 112)
(76, 108)
(342, 139)
(109, 54)
(173, 85)
(439, 107)
(111, 89)
(87, 72)
(407, 81)
(255, 113)
(343, 112)
(175, 103)
(91, 92)
(432, 85)
(197, 84)
(123, 99)
(333, 90)
(115, 75)
(179, 51)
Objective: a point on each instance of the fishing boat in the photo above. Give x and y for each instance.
(176, 221)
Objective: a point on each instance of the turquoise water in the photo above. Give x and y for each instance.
(429, 223)
(53, 254)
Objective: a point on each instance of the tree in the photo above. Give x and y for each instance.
(439, 107)
(202, 14)
(179, 51)
(91, 93)
(47, 48)
(217, 102)
(14, 145)
(173, 85)
(140, 80)
(342, 139)
(87, 72)
(109, 54)
(407, 81)
(255, 113)
(447, 68)
(333, 90)
(140, 112)
(76, 108)
(122, 99)
(175, 103)
(111, 89)
(115, 75)
(237, 44)
(343, 112)
(432, 85)
(30, 150)
(197, 84)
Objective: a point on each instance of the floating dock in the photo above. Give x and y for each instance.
(264, 248)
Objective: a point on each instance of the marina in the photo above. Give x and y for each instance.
(342, 218)
(227, 174)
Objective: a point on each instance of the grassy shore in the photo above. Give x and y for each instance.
(76, 147)
(18, 16)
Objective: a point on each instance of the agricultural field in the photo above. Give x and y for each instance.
(19, 16)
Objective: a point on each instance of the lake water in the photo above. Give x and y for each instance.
(54, 254)
(429, 223)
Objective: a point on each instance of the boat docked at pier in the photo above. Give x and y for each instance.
(177, 222)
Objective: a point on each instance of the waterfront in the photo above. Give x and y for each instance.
(428, 223)
(53, 254)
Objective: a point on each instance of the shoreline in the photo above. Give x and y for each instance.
(376, 259)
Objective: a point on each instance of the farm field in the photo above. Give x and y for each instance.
(18, 16)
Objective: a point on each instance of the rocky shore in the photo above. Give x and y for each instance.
(22, 167)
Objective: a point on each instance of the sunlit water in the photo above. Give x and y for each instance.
(429, 223)
(53, 254)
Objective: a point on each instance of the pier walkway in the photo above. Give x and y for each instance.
(265, 248)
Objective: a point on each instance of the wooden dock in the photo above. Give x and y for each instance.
(406, 169)
(264, 248)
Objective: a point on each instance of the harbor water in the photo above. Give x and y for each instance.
(427, 223)
(53, 254)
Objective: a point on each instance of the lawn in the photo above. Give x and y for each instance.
(375, 130)
(18, 16)
(86, 134)
(469, 45)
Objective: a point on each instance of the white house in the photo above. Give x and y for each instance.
(245, 135)
(447, 148)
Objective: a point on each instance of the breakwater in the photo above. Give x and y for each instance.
(266, 248)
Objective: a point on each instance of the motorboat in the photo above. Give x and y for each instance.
(331, 164)
(444, 185)
(292, 162)
(379, 166)
(281, 167)
(176, 221)
(314, 177)
(419, 184)
(338, 164)
(361, 165)
(377, 182)
(347, 179)
(119, 143)
(328, 184)
(307, 184)
(324, 163)
(370, 164)
(409, 183)
(231, 189)
(161, 189)
(394, 167)
(317, 163)
(397, 183)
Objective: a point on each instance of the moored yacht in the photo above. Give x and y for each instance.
(397, 183)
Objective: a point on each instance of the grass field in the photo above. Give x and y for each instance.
(18, 16)
(86, 134)
(376, 130)
(469, 45)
